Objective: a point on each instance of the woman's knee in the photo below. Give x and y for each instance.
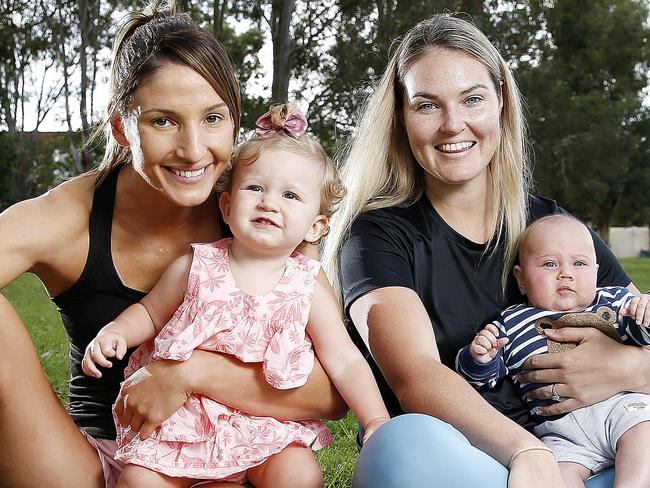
(424, 450)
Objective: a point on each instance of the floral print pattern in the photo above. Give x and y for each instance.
(205, 439)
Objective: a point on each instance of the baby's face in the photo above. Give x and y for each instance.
(558, 269)
(274, 202)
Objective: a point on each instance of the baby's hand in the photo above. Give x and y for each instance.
(485, 345)
(372, 426)
(107, 344)
(639, 308)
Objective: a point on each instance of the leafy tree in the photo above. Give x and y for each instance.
(299, 32)
(634, 207)
(584, 93)
(25, 37)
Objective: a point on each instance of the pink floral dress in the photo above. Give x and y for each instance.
(205, 439)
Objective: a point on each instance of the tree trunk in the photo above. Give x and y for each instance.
(219, 9)
(606, 212)
(22, 97)
(16, 91)
(74, 150)
(94, 42)
(283, 45)
(603, 230)
(65, 63)
(85, 30)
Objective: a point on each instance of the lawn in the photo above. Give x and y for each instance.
(43, 322)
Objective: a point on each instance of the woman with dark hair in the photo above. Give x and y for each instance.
(102, 240)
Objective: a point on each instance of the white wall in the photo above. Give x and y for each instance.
(628, 242)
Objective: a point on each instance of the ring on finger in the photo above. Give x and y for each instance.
(555, 396)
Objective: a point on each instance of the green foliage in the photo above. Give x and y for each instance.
(634, 208)
(32, 163)
(581, 65)
(7, 169)
(243, 49)
(584, 96)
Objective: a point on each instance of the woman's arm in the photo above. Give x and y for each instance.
(48, 235)
(159, 389)
(400, 337)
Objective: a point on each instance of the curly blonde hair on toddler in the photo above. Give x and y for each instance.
(283, 128)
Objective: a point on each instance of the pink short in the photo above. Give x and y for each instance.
(112, 469)
(106, 450)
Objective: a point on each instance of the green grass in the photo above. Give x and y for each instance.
(639, 271)
(44, 324)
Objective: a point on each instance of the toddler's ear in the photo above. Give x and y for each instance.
(519, 275)
(224, 206)
(317, 230)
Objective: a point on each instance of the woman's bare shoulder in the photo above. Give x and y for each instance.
(74, 195)
(45, 230)
(65, 204)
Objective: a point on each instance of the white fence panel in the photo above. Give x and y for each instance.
(628, 242)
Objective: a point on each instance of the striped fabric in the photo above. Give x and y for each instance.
(518, 324)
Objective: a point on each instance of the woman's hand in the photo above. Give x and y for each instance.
(151, 395)
(595, 370)
(535, 469)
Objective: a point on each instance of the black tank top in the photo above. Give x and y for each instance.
(94, 300)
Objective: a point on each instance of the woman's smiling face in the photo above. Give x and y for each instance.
(451, 114)
(180, 133)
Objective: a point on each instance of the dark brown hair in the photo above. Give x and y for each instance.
(147, 40)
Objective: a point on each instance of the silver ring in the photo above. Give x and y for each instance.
(555, 396)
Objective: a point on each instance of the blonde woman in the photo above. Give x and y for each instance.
(438, 190)
(101, 241)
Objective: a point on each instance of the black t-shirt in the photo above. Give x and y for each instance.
(458, 281)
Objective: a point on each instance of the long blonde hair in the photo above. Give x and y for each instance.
(378, 167)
